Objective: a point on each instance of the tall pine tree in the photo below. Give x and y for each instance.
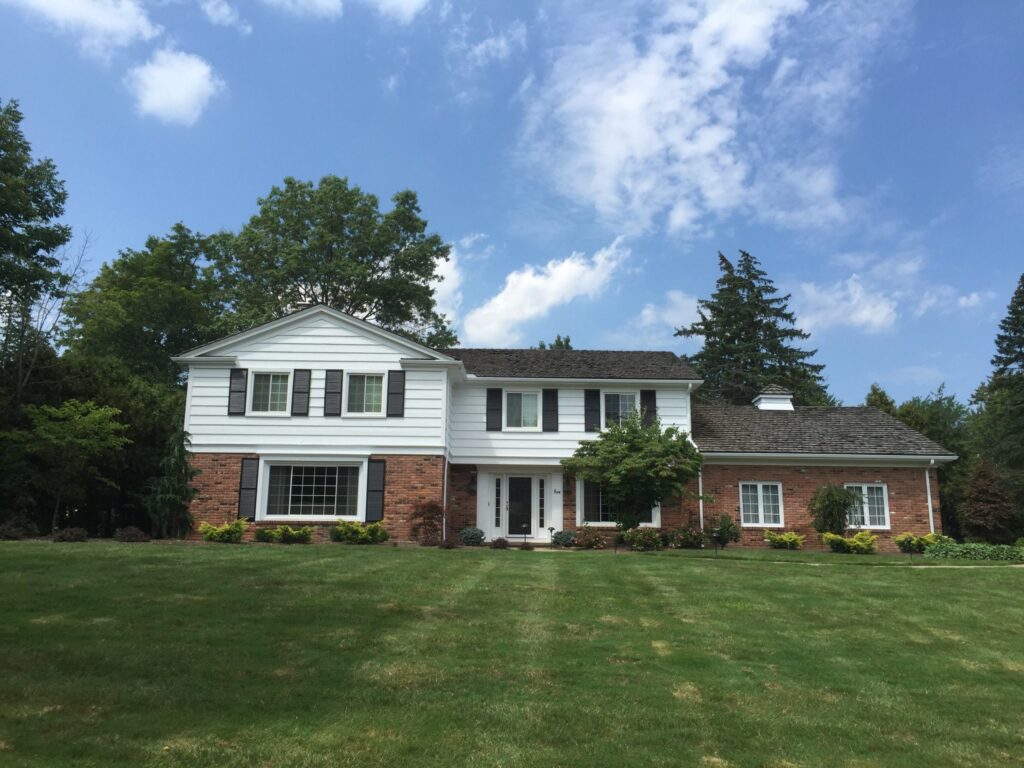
(749, 340)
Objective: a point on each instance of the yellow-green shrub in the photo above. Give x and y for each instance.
(229, 533)
(785, 540)
(861, 543)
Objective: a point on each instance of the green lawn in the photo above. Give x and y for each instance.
(327, 655)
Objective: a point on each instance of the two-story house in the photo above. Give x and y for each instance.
(318, 417)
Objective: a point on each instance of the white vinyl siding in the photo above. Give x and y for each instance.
(269, 393)
(873, 509)
(761, 504)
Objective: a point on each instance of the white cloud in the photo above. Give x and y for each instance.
(173, 86)
(223, 14)
(316, 8)
(448, 286)
(468, 52)
(679, 309)
(499, 46)
(531, 292)
(690, 111)
(845, 303)
(972, 299)
(100, 25)
(945, 299)
(402, 11)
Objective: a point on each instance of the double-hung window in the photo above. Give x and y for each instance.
(313, 491)
(872, 511)
(595, 509)
(269, 393)
(521, 410)
(618, 406)
(365, 393)
(761, 504)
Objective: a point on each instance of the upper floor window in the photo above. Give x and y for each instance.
(873, 509)
(365, 393)
(269, 393)
(618, 406)
(521, 410)
(761, 504)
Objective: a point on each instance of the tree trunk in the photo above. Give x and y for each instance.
(55, 524)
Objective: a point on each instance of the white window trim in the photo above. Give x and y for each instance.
(636, 401)
(251, 392)
(504, 410)
(864, 507)
(760, 505)
(383, 396)
(655, 513)
(263, 489)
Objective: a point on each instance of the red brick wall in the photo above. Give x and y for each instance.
(462, 479)
(908, 501)
(408, 481)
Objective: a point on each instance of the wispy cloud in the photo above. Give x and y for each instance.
(173, 86)
(402, 11)
(532, 292)
(101, 26)
(316, 8)
(697, 110)
(845, 303)
(223, 14)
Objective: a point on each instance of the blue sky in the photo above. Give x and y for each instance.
(586, 159)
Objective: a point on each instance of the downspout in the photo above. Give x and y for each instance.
(700, 496)
(928, 488)
(444, 502)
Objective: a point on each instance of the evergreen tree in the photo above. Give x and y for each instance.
(879, 398)
(749, 340)
(560, 342)
(1008, 361)
(171, 493)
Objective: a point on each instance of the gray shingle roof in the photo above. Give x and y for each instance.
(807, 429)
(572, 364)
(775, 389)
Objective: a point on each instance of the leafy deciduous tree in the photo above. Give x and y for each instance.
(988, 511)
(830, 506)
(560, 342)
(879, 398)
(637, 466)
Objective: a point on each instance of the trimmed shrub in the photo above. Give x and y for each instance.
(589, 538)
(861, 543)
(266, 535)
(499, 543)
(130, 535)
(784, 540)
(721, 530)
(70, 534)
(18, 528)
(427, 521)
(351, 532)
(526, 547)
(830, 506)
(563, 539)
(450, 543)
(229, 533)
(686, 538)
(950, 550)
(472, 536)
(284, 534)
(909, 543)
(643, 539)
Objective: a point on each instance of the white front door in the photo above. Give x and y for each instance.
(519, 506)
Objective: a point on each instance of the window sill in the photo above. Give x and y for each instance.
(762, 525)
(612, 525)
(271, 414)
(350, 415)
(870, 527)
(521, 429)
(309, 519)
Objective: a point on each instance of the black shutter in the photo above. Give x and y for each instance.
(332, 393)
(236, 391)
(550, 410)
(375, 490)
(648, 406)
(300, 391)
(247, 489)
(592, 410)
(494, 410)
(396, 393)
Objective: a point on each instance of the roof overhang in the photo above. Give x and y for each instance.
(690, 383)
(207, 361)
(825, 459)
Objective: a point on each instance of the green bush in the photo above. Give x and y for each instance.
(499, 543)
(70, 534)
(1019, 542)
(472, 536)
(861, 543)
(686, 538)
(909, 543)
(351, 532)
(829, 507)
(229, 533)
(563, 539)
(784, 540)
(950, 550)
(130, 535)
(17, 528)
(266, 535)
(284, 534)
(526, 547)
(643, 539)
(721, 530)
(589, 538)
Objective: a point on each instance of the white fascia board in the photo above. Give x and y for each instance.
(824, 459)
(639, 383)
(304, 314)
(513, 461)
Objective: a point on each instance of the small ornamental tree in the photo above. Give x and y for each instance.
(830, 506)
(638, 466)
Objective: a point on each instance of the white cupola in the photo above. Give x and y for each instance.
(774, 398)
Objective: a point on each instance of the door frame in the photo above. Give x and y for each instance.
(552, 480)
